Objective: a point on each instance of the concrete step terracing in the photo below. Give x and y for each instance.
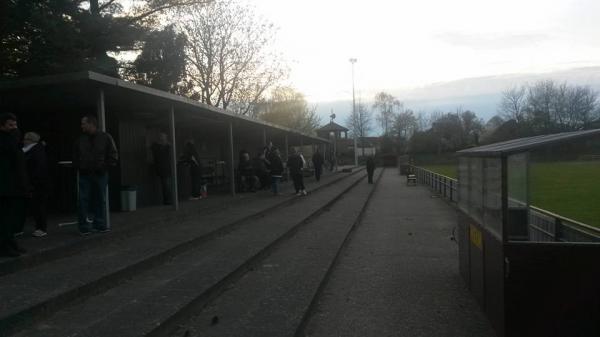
(275, 297)
(65, 241)
(45, 289)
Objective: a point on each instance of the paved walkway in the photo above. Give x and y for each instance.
(398, 276)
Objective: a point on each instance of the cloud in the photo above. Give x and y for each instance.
(492, 41)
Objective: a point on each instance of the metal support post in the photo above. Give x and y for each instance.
(174, 182)
(231, 160)
(100, 111)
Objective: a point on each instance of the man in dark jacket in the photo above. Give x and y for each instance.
(276, 169)
(248, 179)
(37, 171)
(318, 161)
(370, 168)
(95, 152)
(14, 186)
(161, 153)
(259, 165)
(295, 165)
(192, 158)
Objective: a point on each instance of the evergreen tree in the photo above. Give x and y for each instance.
(161, 64)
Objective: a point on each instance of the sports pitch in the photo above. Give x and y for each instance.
(570, 189)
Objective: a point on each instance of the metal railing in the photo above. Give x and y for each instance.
(445, 186)
(544, 226)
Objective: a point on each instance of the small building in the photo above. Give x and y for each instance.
(333, 131)
(338, 137)
(368, 146)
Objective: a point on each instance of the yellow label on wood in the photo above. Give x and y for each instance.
(476, 237)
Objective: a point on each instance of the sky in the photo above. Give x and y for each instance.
(403, 45)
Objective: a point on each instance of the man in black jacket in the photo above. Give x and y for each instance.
(295, 163)
(37, 171)
(14, 186)
(370, 168)
(95, 152)
(276, 169)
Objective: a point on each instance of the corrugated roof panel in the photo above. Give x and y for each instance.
(525, 144)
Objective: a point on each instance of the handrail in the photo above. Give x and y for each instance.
(569, 222)
(447, 187)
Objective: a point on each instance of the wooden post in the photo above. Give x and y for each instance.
(174, 177)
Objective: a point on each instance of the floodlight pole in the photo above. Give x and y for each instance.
(353, 61)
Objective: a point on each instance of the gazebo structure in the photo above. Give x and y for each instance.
(534, 273)
(337, 135)
(333, 130)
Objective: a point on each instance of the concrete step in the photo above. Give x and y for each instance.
(65, 241)
(274, 298)
(37, 292)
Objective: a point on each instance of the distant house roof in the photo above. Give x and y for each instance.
(524, 144)
(333, 127)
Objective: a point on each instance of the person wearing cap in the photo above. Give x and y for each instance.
(37, 171)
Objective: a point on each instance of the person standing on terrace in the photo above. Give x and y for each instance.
(95, 153)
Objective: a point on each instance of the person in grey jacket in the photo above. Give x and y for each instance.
(95, 152)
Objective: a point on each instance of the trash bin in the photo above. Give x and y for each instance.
(128, 198)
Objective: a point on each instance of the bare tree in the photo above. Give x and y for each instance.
(540, 106)
(388, 106)
(405, 124)
(288, 107)
(512, 104)
(359, 123)
(230, 65)
(549, 107)
(423, 122)
(580, 108)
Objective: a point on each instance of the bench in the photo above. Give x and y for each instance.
(411, 178)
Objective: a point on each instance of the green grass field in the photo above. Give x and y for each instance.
(570, 189)
(446, 170)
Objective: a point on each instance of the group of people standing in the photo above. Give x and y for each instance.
(268, 165)
(261, 172)
(25, 180)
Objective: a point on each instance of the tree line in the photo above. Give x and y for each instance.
(546, 107)
(541, 108)
(213, 51)
(404, 130)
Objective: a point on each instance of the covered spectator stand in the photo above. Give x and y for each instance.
(535, 273)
